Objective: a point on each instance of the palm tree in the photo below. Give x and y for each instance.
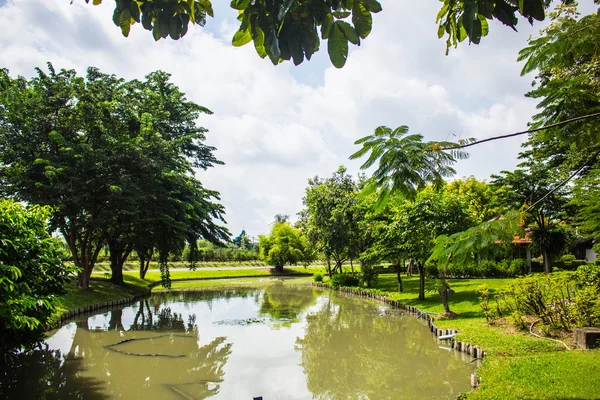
(406, 163)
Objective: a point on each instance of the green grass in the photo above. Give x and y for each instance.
(211, 274)
(517, 365)
(100, 290)
(101, 267)
(201, 284)
(557, 375)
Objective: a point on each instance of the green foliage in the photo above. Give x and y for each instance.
(369, 275)
(31, 273)
(318, 277)
(560, 300)
(484, 302)
(405, 164)
(289, 29)
(285, 245)
(114, 160)
(331, 217)
(345, 279)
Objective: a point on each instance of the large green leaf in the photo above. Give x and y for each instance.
(348, 31)
(372, 5)
(326, 26)
(208, 7)
(273, 50)
(362, 20)
(125, 22)
(284, 9)
(241, 38)
(337, 47)
(259, 42)
(240, 4)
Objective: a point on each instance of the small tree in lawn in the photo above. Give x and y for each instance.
(284, 245)
(464, 247)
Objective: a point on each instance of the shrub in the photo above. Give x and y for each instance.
(368, 275)
(488, 268)
(318, 277)
(567, 258)
(517, 267)
(31, 273)
(344, 279)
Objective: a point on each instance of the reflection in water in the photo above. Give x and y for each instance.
(179, 346)
(351, 350)
(282, 302)
(43, 374)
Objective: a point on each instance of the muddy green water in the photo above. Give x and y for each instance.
(278, 341)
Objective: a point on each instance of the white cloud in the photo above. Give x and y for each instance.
(277, 126)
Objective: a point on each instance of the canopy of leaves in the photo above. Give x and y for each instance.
(31, 273)
(114, 159)
(405, 163)
(293, 29)
(284, 246)
(566, 58)
(329, 218)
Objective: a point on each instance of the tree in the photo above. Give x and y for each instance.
(289, 29)
(329, 218)
(533, 188)
(113, 158)
(285, 245)
(405, 164)
(31, 274)
(417, 224)
(467, 246)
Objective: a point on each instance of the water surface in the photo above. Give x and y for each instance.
(279, 341)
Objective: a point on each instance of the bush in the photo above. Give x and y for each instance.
(318, 277)
(344, 279)
(567, 258)
(369, 275)
(517, 267)
(31, 274)
(488, 269)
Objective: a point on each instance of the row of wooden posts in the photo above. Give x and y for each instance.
(455, 344)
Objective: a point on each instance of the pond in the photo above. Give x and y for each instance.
(278, 340)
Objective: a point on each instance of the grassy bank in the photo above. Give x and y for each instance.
(102, 289)
(518, 365)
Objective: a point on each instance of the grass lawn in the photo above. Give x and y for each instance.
(211, 274)
(517, 365)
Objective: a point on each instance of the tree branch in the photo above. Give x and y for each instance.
(462, 146)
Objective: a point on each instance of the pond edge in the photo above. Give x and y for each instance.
(463, 347)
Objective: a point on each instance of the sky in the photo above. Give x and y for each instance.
(277, 126)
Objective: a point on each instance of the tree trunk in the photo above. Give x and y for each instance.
(398, 269)
(329, 267)
(118, 256)
(547, 265)
(421, 268)
(115, 320)
(351, 266)
(279, 269)
(83, 278)
(444, 295)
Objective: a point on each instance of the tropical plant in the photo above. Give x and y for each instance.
(405, 164)
(31, 274)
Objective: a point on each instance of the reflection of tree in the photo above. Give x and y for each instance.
(349, 351)
(285, 302)
(38, 374)
(131, 363)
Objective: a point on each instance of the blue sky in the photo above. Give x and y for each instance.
(275, 127)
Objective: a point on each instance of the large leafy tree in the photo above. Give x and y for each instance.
(566, 60)
(417, 224)
(330, 219)
(534, 188)
(285, 245)
(114, 158)
(292, 29)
